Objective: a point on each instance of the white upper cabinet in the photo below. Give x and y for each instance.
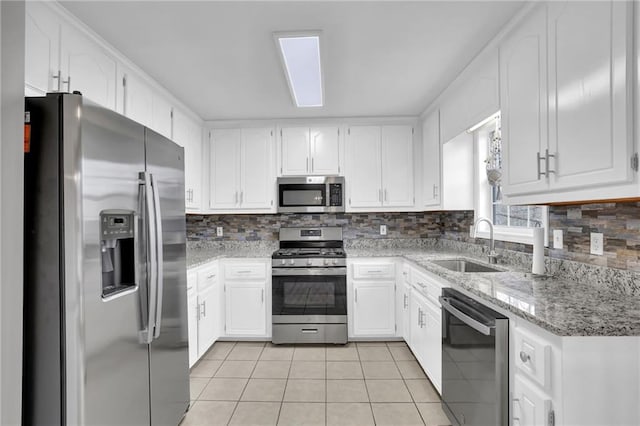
(242, 175)
(225, 168)
(523, 91)
(569, 137)
(364, 170)
(188, 133)
(589, 79)
(137, 99)
(257, 183)
(310, 151)
(162, 116)
(325, 150)
(397, 166)
(42, 49)
(380, 167)
(431, 157)
(86, 67)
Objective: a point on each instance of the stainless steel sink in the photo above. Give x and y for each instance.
(462, 265)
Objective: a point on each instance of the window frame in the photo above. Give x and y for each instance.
(483, 199)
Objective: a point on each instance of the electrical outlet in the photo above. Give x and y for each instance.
(383, 229)
(597, 243)
(557, 239)
(219, 231)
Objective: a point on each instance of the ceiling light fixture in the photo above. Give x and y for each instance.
(300, 55)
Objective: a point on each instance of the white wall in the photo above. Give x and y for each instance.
(12, 20)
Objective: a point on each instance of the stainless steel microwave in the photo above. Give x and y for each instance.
(311, 194)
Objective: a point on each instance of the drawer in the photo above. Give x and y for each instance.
(533, 357)
(207, 276)
(192, 281)
(374, 270)
(243, 271)
(427, 284)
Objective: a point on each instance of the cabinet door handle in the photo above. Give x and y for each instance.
(204, 308)
(307, 167)
(197, 312)
(385, 195)
(58, 78)
(419, 318)
(435, 190)
(313, 167)
(424, 319)
(236, 198)
(356, 297)
(406, 301)
(68, 83)
(241, 196)
(262, 296)
(546, 162)
(524, 357)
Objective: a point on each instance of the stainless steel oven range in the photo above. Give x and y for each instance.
(309, 286)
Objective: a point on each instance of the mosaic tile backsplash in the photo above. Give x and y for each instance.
(619, 222)
(354, 225)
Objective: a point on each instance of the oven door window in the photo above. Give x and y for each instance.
(292, 195)
(309, 295)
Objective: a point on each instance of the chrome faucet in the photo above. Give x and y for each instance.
(493, 256)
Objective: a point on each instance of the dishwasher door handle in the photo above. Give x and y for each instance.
(476, 325)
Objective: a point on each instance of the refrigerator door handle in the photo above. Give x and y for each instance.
(159, 258)
(149, 218)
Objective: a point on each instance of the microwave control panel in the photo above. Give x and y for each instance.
(335, 194)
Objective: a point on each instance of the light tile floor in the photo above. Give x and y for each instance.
(359, 384)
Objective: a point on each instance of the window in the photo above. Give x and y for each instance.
(511, 223)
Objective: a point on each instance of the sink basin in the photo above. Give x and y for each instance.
(462, 265)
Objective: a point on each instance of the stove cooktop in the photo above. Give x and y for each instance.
(309, 252)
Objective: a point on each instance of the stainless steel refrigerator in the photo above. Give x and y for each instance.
(105, 311)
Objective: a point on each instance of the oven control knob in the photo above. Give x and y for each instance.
(309, 262)
(335, 261)
(284, 262)
(291, 262)
(326, 261)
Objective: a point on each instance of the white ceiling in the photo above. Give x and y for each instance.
(380, 58)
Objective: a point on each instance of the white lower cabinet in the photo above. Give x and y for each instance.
(530, 406)
(432, 355)
(246, 297)
(203, 306)
(371, 286)
(406, 312)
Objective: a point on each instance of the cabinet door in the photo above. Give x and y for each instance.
(257, 184)
(374, 308)
(246, 309)
(531, 407)
(431, 187)
(192, 322)
(589, 63)
(225, 169)
(397, 166)
(295, 151)
(523, 71)
(432, 349)
(162, 116)
(138, 99)
(188, 134)
(42, 44)
(416, 316)
(364, 166)
(406, 313)
(325, 150)
(87, 68)
(207, 327)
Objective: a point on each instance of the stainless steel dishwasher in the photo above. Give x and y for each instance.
(475, 362)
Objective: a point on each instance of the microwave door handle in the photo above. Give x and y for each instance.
(159, 257)
(476, 325)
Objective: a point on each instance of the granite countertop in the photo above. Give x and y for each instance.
(562, 306)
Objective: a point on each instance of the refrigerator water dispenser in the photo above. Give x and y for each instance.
(117, 249)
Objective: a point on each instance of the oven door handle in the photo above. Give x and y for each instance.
(306, 272)
(471, 322)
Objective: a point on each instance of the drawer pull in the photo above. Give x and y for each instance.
(376, 271)
(310, 330)
(211, 276)
(524, 357)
